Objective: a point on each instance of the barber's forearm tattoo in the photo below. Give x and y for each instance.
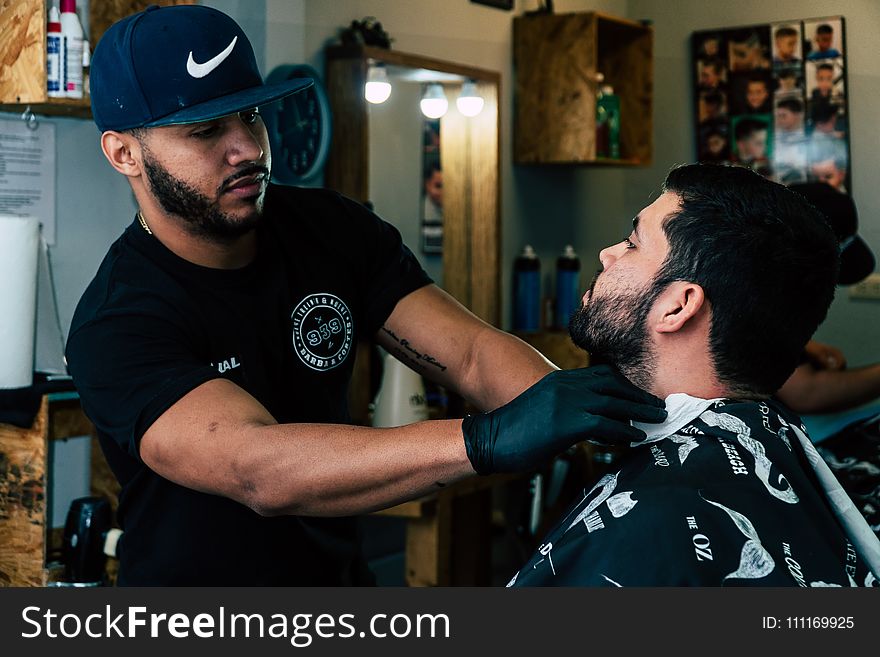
(405, 352)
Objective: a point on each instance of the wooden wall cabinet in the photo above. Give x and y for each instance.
(556, 59)
(23, 52)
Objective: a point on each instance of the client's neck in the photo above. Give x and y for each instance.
(674, 369)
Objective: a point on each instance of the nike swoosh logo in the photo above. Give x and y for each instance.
(201, 70)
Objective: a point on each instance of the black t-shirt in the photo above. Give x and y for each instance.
(151, 327)
(728, 500)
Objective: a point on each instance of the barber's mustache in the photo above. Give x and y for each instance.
(247, 171)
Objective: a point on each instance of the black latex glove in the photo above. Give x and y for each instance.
(563, 408)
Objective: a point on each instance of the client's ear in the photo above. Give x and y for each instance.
(680, 302)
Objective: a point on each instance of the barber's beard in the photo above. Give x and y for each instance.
(613, 329)
(201, 216)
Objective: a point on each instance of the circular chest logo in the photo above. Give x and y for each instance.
(322, 331)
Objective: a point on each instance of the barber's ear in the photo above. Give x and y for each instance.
(122, 151)
(680, 302)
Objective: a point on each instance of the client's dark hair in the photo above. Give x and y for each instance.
(767, 261)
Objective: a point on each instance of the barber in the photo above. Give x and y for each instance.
(214, 347)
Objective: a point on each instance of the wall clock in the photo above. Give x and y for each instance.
(299, 127)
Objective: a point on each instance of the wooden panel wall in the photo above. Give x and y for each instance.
(485, 229)
(557, 62)
(555, 69)
(23, 47)
(347, 169)
(26, 540)
(626, 57)
(455, 161)
(23, 512)
(22, 51)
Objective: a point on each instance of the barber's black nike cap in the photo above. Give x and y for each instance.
(177, 64)
(856, 259)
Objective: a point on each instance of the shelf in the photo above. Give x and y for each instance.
(23, 53)
(53, 107)
(557, 62)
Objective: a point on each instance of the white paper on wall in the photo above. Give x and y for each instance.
(27, 172)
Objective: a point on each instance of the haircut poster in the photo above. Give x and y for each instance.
(774, 98)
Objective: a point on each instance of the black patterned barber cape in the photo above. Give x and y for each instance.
(729, 493)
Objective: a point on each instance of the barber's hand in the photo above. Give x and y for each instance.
(563, 408)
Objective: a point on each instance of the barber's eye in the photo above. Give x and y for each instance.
(206, 132)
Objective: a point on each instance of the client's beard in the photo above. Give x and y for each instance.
(613, 329)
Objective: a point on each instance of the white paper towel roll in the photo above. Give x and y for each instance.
(19, 248)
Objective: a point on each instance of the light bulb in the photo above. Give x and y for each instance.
(378, 88)
(469, 101)
(434, 103)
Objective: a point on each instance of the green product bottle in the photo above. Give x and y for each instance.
(607, 123)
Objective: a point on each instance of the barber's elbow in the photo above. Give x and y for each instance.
(260, 501)
(262, 491)
(269, 503)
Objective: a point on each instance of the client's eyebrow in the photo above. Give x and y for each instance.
(636, 227)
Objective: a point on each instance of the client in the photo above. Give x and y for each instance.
(709, 303)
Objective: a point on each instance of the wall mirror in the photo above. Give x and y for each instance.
(382, 153)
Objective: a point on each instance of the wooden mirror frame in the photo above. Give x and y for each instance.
(470, 160)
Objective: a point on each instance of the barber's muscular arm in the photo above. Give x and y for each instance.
(219, 439)
(486, 366)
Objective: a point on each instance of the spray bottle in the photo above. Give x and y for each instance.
(568, 271)
(54, 76)
(527, 291)
(71, 50)
(607, 123)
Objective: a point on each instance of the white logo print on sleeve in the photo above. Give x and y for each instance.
(227, 364)
(201, 70)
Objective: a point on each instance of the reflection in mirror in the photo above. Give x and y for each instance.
(408, 166)
(406, 179)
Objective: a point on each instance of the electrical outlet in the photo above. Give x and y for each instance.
(868, 288)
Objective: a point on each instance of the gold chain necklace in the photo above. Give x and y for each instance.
(143, 223)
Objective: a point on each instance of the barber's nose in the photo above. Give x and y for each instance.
(245, 145)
